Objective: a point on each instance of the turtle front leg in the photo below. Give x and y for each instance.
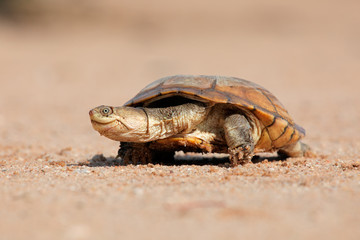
(135, 153)
(239, 139)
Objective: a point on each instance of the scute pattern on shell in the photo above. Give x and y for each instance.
(279, 128)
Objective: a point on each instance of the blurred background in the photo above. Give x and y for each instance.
(60, 58)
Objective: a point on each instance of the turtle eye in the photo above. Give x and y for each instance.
(106, 111)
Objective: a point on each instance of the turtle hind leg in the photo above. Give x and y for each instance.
(298, 149)
(239, 139)
(135, 153)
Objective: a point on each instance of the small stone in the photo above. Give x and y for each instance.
(82, 170)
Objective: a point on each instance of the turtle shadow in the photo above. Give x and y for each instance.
(100, 160)
(222, 161)
(273, 158)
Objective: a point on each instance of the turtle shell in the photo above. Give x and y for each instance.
(278, 128)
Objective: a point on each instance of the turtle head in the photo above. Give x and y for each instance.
(125, 124)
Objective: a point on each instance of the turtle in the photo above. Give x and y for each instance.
(200, 113)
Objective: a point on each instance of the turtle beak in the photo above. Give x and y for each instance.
(91, 113)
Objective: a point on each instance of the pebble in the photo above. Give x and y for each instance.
(82, 170)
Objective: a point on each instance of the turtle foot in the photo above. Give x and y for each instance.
(134, 153)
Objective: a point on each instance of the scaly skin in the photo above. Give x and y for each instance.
(128, 124)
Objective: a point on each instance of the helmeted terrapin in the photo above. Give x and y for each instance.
(200, 114)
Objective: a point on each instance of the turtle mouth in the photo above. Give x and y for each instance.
(103, 127)
(103, 123)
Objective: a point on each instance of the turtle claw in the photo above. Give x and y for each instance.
(240, 155)
(126, 158)
(135, 158)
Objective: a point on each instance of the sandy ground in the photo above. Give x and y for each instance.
(54, 184)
